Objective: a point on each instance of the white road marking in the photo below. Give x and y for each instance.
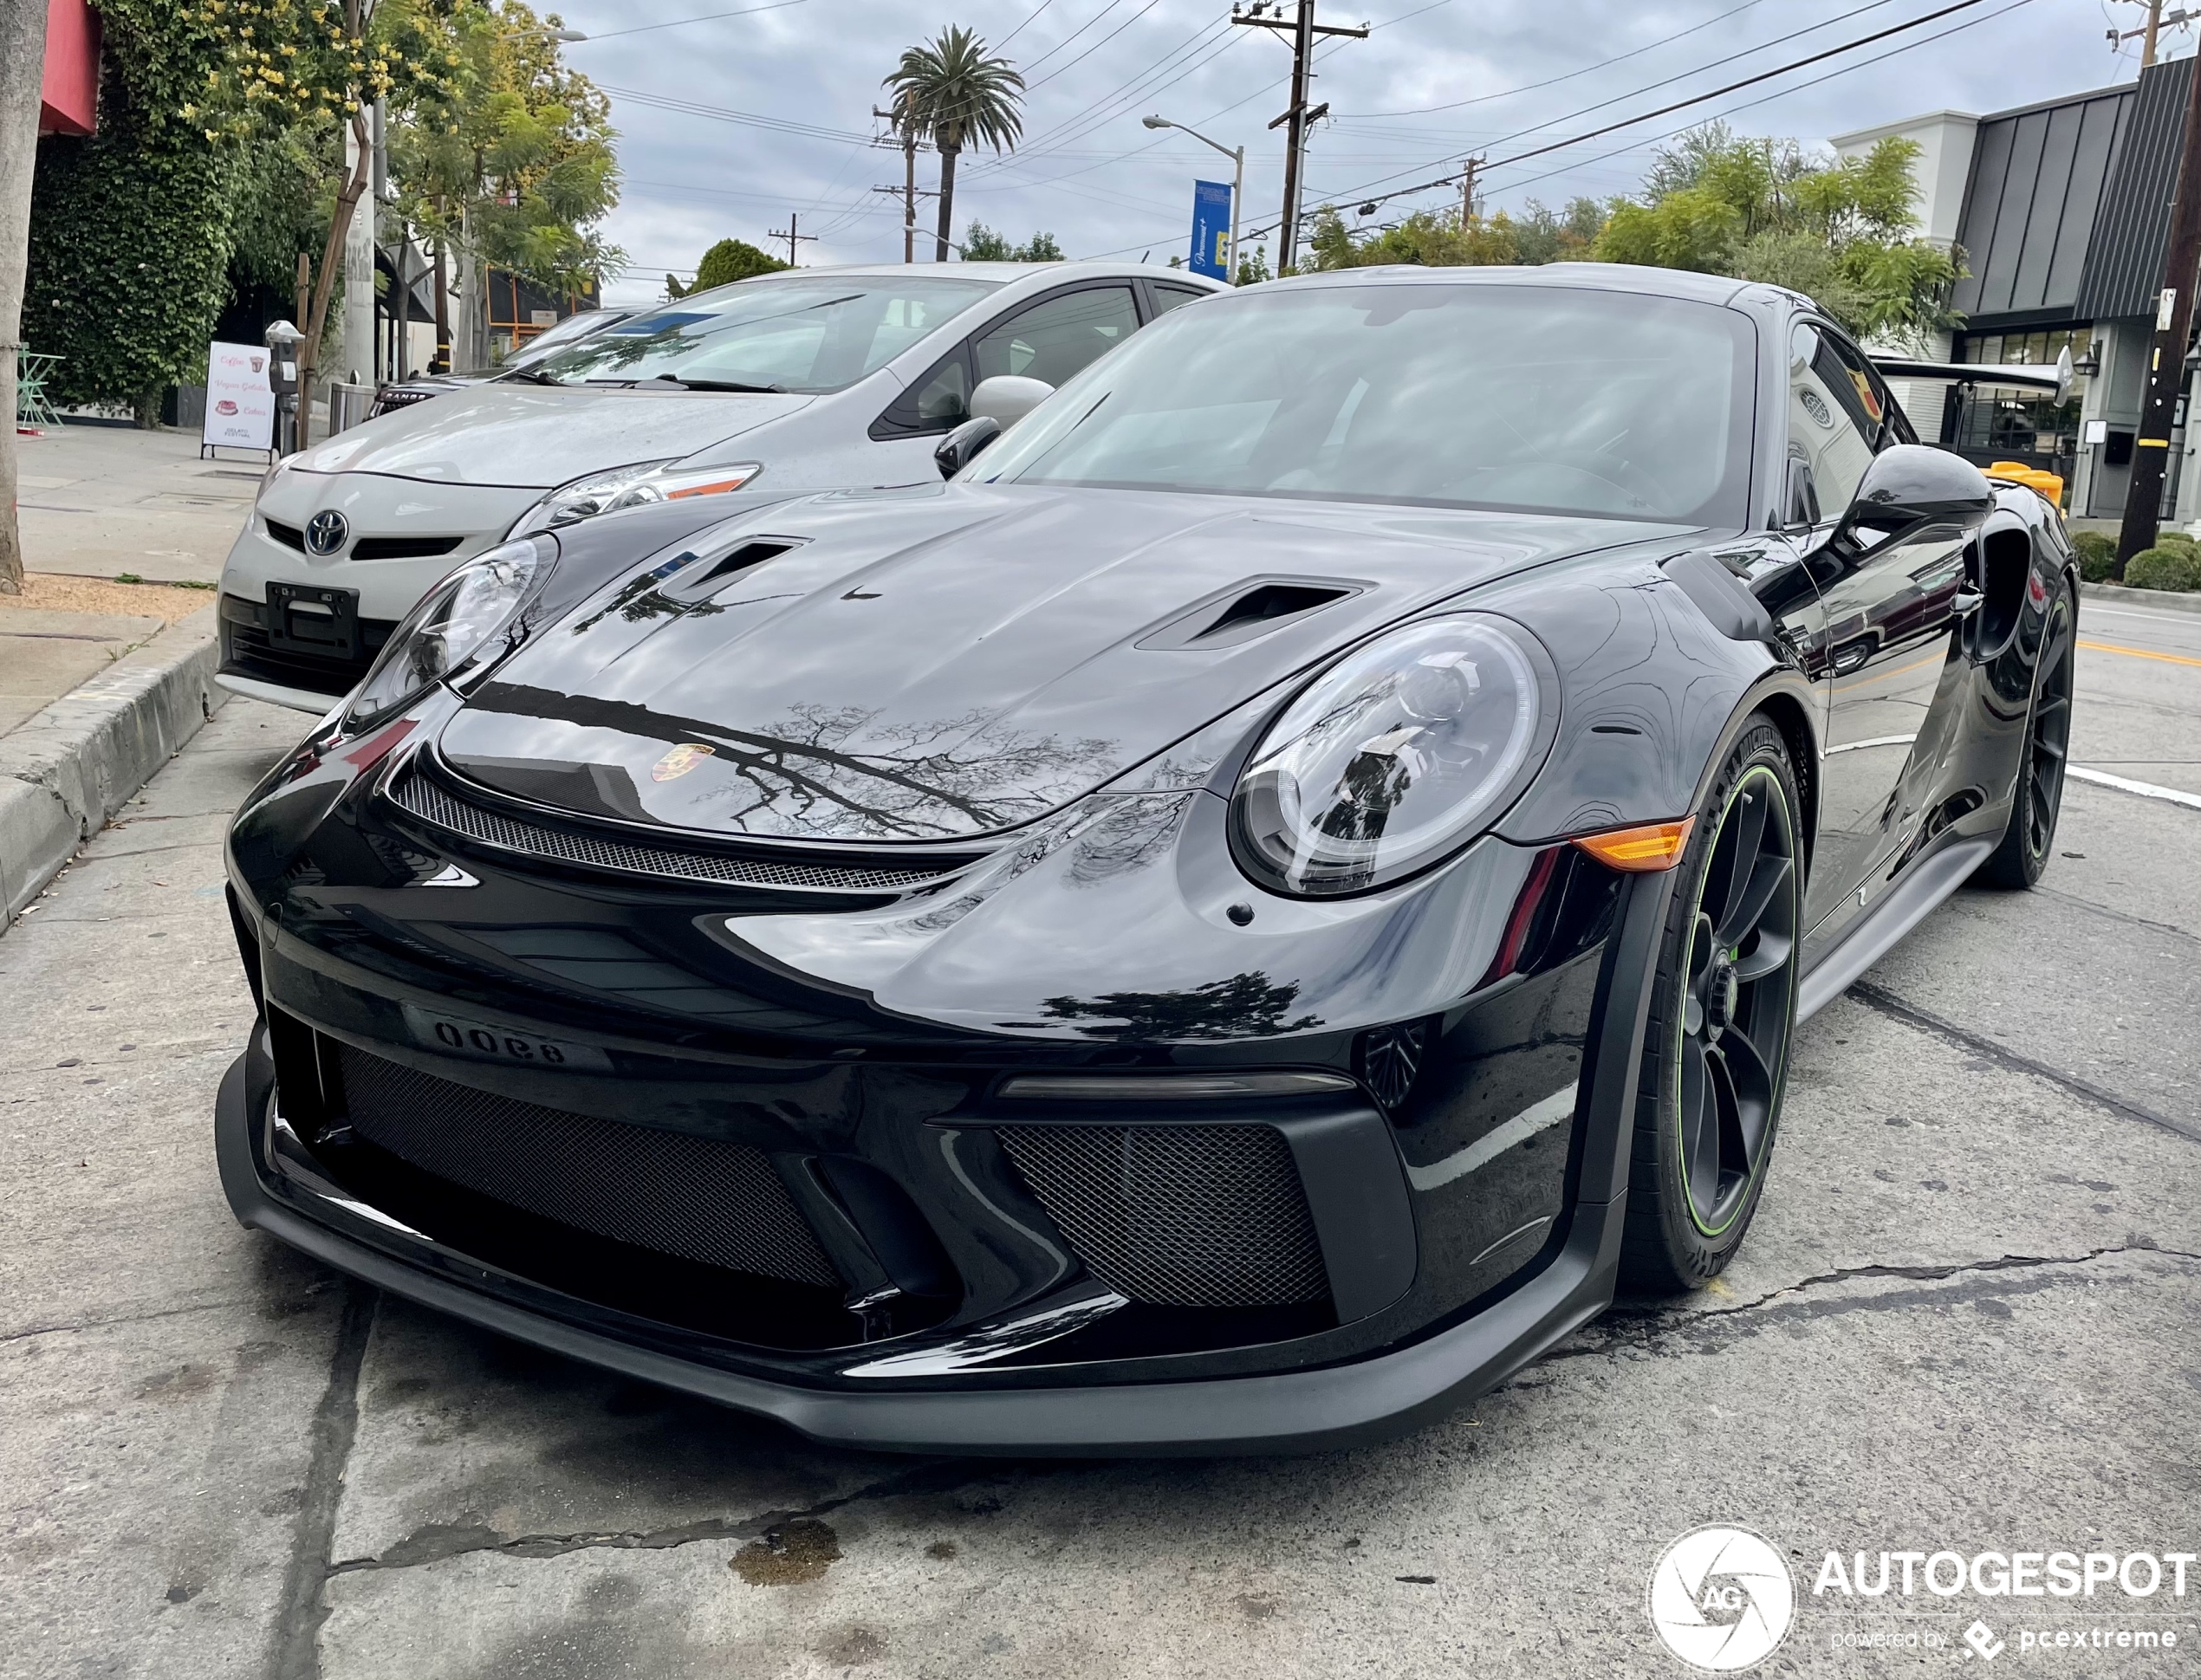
(1559, 1105)
(2126, 785)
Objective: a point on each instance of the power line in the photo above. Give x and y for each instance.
(1069, 63)
(1664, 81)
(709, 17)
(1452, 178)
(1552, 81)
(1030, 17)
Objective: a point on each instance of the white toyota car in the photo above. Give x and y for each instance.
(809, 380)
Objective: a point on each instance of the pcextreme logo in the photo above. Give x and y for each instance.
(1722, 1598)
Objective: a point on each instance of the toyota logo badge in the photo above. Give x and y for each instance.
(326, 531)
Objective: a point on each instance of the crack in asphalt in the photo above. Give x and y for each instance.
(1887, 1003)
(2125, 916)
(304, 1607)
(434, 1542)
(1649, 1329)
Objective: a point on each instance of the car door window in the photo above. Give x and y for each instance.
(1169, 297)
(940, 401)
(1835, 418)
(1056, 339)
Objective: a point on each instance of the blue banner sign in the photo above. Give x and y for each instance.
(1211, 229)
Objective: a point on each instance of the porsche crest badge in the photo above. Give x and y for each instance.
(682, 759)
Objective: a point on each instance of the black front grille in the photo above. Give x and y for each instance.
(247, 651)
(290, 536)
(1178, 1215)
(404, 547)
(436, 805)
(699, 1198)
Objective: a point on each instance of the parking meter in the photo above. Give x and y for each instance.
(282, 339)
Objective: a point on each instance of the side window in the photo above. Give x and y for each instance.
(1055, 340)
(940, 401)
(1834, 418)
(1169, 297)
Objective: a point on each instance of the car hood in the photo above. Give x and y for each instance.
(537, 437)
(942, 663)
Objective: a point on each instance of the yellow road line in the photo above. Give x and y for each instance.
(2141, 653)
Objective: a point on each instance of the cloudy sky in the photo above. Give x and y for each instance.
(732, 123)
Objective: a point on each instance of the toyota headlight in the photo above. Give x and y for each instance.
(469, 612)
(632, 487)
(1395, 757)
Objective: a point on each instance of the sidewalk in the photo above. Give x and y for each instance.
(101, 501)
(101, 680)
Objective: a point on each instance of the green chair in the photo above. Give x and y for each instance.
(32, 371)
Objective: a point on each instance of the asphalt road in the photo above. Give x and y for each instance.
(1965, 1319)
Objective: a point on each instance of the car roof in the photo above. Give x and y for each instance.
(1599, 276)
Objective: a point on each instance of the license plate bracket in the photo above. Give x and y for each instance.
(315, 618)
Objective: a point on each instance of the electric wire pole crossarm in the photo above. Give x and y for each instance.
(794, 234)
(1237, 157)
(1269, 15)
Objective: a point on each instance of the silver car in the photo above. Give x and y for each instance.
(811, 380)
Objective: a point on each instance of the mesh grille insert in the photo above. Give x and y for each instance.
(700, 1198)
(431, 803)
(1178, 1215)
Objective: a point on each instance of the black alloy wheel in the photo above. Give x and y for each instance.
(1721, 1014)
(2037, 798)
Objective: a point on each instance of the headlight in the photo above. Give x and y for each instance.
(1395, 757)
(631, 487)
(454, 622)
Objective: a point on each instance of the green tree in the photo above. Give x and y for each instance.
(953, 92)
(513, 165)
(1427, 238)
(1842, 233)
(131, 229)
(725, 262)
(1253, 266)
(983, 244)
(1544, 235)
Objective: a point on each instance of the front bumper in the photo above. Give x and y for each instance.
(1302, 1410)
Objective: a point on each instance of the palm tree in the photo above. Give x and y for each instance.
(951, 92)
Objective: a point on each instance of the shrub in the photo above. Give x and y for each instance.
(2097, 552)
(2164, 568)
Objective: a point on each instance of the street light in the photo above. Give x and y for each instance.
(1237, 157)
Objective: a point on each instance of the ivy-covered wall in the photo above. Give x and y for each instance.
(130, 230)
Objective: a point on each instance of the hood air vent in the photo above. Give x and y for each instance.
(1251, 607)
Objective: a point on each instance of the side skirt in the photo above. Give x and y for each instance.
(1873, 934)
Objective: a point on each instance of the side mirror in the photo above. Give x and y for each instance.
(1007, 398)
(960, 447)
(1912, 485)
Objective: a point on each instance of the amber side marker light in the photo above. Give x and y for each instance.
(1650, 847)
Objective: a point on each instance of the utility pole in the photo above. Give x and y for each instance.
(2166, 366)
(793, 234)
(907, 192)
(1269, 15)
(1467, 191)
(2150, 33)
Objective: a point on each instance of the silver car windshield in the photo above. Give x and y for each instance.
(814, 333)
(1535, 399)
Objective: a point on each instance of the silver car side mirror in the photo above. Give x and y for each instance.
(1007, 398)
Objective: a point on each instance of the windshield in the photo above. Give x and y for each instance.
(819, 333)
(1539, 399)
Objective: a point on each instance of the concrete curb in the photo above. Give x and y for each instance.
(64, 772)
(2170, 601)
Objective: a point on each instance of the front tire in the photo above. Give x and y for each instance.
(2037, 800)
(1723, 1010)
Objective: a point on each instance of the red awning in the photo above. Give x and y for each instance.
(69, 98)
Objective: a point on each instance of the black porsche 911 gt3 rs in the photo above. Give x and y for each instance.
(1232, 924)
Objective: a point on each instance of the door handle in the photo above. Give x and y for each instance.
(1964, 603)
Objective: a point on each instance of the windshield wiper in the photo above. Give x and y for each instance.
(712, 384)
(533, 376)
